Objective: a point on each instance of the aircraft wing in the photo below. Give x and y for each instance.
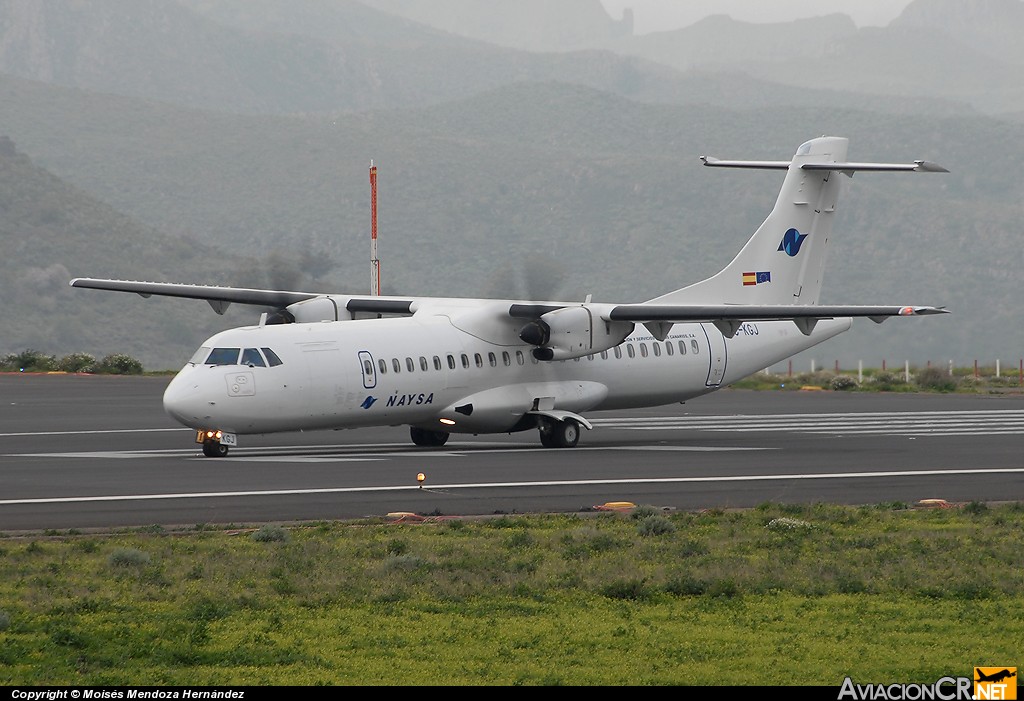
(729, 317)
(218, 297)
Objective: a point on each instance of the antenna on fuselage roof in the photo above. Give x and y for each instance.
(374, 261)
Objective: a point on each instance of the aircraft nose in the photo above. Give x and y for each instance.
(183, 400)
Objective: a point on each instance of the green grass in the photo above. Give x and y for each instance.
(775, 595)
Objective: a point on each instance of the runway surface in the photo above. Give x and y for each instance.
(98, 452)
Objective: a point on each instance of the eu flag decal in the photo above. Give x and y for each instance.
(756, 278)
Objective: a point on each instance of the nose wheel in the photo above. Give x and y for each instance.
(214, 449)
(559, 434)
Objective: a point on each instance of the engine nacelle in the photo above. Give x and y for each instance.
(573, 332)
(325, 308)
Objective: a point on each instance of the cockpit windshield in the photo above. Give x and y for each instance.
(251, 357)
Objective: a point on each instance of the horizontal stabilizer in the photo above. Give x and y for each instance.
(846, 167)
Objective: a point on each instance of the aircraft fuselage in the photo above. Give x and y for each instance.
(424, 371)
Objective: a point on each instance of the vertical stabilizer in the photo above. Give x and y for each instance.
(784, 260)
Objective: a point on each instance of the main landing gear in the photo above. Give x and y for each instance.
(426, 438)
(559, 434)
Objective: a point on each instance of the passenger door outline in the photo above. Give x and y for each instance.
(367, 369)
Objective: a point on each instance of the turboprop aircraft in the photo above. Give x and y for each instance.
(477, 366)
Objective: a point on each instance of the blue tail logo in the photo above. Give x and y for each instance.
(368, 402)
(791, 242)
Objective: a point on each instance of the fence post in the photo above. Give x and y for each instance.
(997, 367)
(906, 371)
(951, 368)
(860, 372)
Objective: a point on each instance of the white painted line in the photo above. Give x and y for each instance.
(86, 433)
(514, 485)
(355, 453)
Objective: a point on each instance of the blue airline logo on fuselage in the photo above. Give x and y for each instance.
(368, 402)
(791, 242)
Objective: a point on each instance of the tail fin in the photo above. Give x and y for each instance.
(784, 261)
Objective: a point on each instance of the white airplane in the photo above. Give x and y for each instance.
(456, 365)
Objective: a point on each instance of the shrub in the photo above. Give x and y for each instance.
(627, 589)
(887, 380)
(935, 380)
(655, 525)
(28, 361)
(270, 534)
(842, 383)
(77, 362)
(120, 364)
(784, 524)
(976, 508)
(128, 557)
(644, 511)
(5, 621)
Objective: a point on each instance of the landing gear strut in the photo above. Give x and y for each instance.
(423, 437)
(559, 434)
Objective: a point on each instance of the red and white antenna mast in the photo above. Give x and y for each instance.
(374, 260)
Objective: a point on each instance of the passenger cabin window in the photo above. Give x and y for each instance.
(643, 350)
(451, 362)
(479, 360)
(465, 361)
(519, 358)
(668, 348)
(629, 350)
(492, 359)
(410, 366)
(383, 366)
(506, 358)
(396, 365)
(437, 363)
(682, 348)
(657, 349)
(694, 346)
(423, 364)
(252, 358)
(223, 356)
(368, 368)
(618, 351)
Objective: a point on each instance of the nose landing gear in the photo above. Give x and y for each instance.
(215, 443)
(214, 449)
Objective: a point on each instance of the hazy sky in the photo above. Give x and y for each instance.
(661, 15)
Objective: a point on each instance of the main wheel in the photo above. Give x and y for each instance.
(214, 449)
(568, 433)
(423, 437)
(559, 434)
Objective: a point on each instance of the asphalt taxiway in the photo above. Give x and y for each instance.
(94, 452)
